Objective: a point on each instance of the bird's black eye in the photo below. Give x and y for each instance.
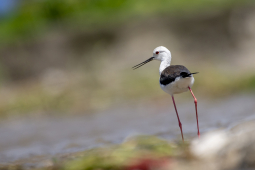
(157, 52)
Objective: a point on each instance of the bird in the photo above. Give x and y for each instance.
(174, 79)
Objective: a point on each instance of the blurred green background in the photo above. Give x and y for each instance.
(75, 56)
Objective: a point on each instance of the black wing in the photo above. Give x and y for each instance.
(172, 72)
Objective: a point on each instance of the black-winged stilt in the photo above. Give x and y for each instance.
(174, 79)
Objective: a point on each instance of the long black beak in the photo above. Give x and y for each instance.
(141, 64)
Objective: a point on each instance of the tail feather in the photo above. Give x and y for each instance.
(184, 74)
(194, 73)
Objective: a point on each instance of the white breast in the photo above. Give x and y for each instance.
(178, 86)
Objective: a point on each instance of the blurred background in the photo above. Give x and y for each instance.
(65, 61)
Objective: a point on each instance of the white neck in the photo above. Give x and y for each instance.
(164, 64)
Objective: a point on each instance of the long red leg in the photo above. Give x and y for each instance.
(180, 124)
(195, 101)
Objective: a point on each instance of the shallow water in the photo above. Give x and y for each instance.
(44, 137)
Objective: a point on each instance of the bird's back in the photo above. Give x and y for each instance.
(172, 72)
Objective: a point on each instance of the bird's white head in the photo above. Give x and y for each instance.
(160, 53)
